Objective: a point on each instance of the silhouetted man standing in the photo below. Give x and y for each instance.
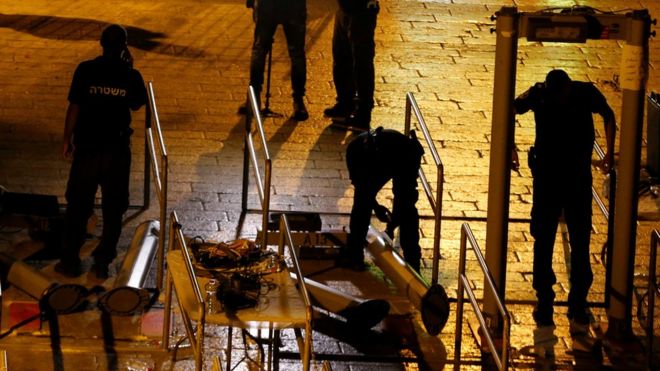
(373, 158)
(353, 52)
(97, 134)
(560, 162)
(292, 15)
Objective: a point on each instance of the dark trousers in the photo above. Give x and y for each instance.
(554, 194)
(109, 169)
(404, 212)
(353, 51)
(292, 15)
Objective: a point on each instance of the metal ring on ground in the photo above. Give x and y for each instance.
(124, 300)
(64, 298)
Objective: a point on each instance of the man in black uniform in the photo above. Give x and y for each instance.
(292, 15)
(560, 162)
(353, 51)
(97, 134)
(373, 158)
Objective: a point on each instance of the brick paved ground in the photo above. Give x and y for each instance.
(197, 55)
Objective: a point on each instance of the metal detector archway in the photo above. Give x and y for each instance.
(572, 25)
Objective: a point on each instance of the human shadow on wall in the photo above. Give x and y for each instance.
(84, 29)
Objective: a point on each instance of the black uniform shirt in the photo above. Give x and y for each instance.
(106, 90)
(382, 153)
(564, 130)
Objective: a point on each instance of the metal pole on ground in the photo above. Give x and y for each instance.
(431, 301)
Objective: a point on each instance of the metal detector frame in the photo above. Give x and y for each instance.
(577, 25)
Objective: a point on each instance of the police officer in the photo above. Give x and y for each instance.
(373, 158)
(97, 135)
(560, 162)
(292, 15)
(353, 51)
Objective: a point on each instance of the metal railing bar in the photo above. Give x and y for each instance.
(435, 202)
(195, 335)
(473, 218)
(255, 165)
(599, 151)
(160, 175)
(480, 318)
(260, 125)
(155, 169)
(464, 286)
(559, 303)
(338, 213)
(156, 118)
(424, 217)
(422, 123)
(484, 268)
(652, 287)
(285, 237)
(250, 157)
(180, 239)
(596, 196)
(600, 204)
(428, 191)
(288, 239)
(266, 199)
(187, 323)
(362, 358)
(146, 182)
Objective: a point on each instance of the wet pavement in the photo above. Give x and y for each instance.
(197, 55)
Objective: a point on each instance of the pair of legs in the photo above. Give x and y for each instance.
(267, 17)
(404, 212)
(353, 51)
(109, 169)
(552, 196)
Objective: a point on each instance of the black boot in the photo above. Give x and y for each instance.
(360, 119)
(338, 111)
(299, 110)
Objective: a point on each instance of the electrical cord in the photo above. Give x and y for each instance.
(19, 325)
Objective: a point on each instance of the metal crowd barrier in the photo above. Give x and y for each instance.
(195, 335)
(286, 239)
(250, 156)
(436, 202)
(160, 170)
(502, 361)
(193, 297)
(652, 288)
(599, 202)
(608, 213)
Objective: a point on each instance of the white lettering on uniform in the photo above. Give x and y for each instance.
(107, 90)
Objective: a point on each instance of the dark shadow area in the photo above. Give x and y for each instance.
(370, 346)
(82, 29)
